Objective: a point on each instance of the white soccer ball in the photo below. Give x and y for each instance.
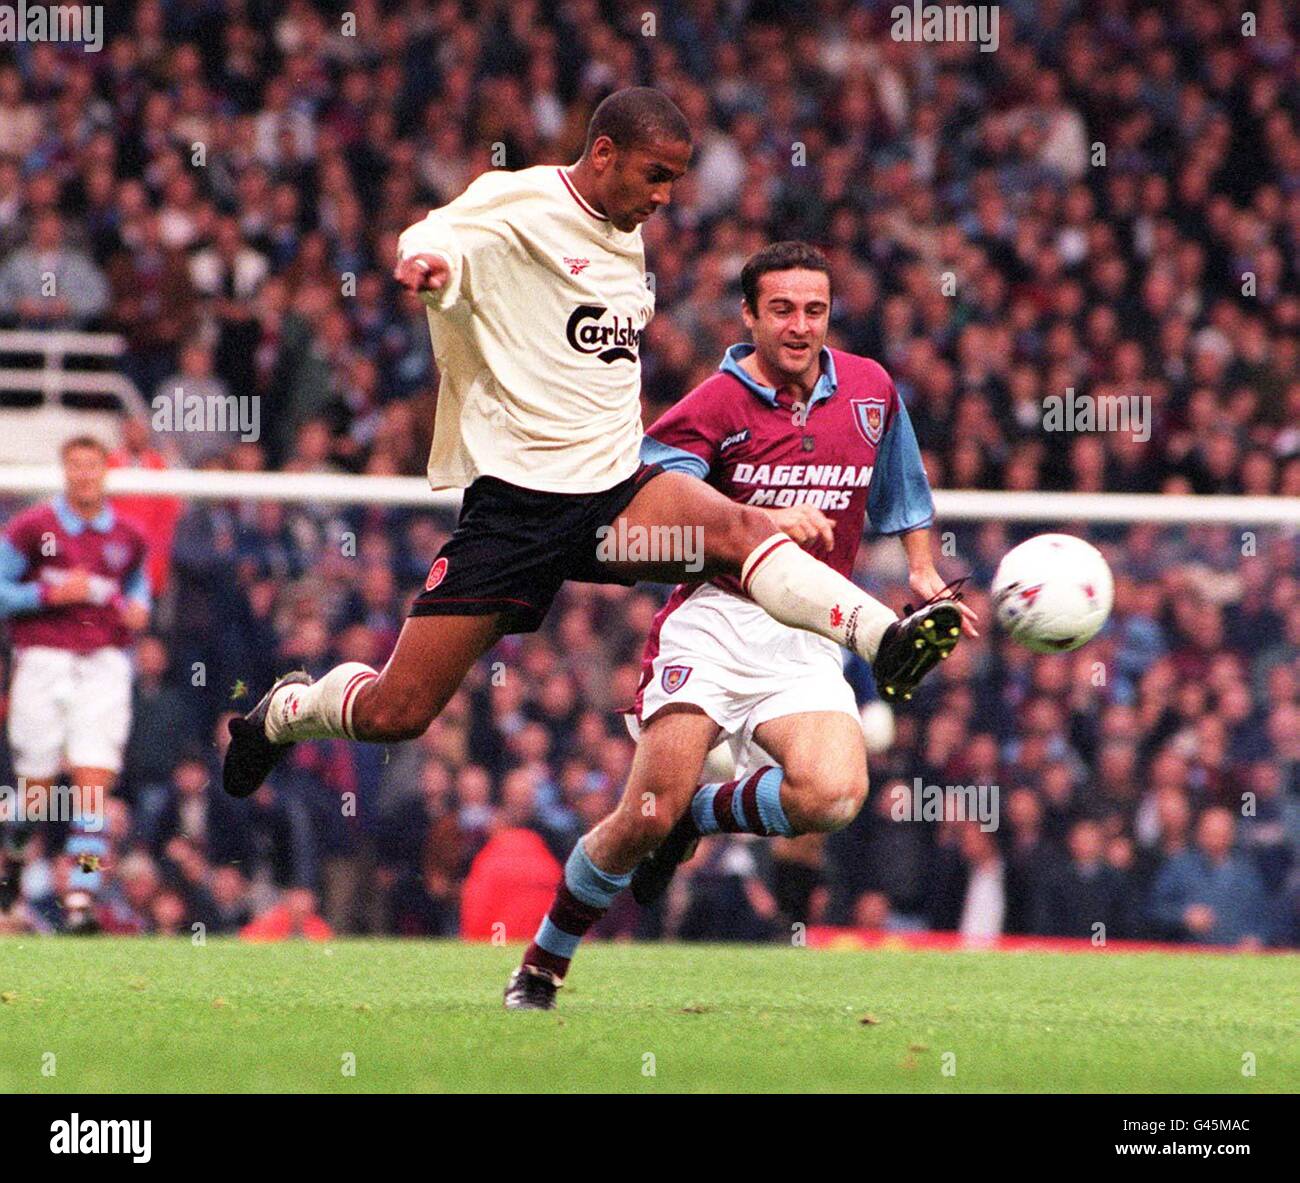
(877, 726)
(1053, 592)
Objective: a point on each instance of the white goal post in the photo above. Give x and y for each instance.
(950, 504)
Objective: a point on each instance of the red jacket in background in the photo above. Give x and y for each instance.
(279, 924)
(511, 882)
(154, 517)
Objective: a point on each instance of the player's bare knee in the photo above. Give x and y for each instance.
(828, 806)
(851, 802)
(652, 827)
(642, 822)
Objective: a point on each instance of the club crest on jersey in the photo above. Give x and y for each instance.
(674, 677)
(869, 415)
(576, 266)
(436, 574)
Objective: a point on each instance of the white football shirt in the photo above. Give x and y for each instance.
(537, 335)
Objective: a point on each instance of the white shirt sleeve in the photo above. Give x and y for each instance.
(470, 234)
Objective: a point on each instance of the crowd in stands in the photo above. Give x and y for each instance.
(1107, 206)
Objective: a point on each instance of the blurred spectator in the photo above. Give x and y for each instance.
(50, 285)
(159, 714)
(1085, 897)
(725, 896)
(193, 807)
(153, 302)
(1211, 895)
(509, 886)
(196, 408)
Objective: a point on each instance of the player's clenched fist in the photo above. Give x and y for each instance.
(422, 273)
(74, 589)
(806, 524)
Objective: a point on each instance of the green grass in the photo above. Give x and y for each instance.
(164, 1016)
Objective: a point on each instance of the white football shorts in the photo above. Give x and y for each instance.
(725, 655)
(68, 710)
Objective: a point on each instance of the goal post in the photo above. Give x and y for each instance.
(414, 492)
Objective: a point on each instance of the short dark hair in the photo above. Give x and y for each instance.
(636, 116)
(83, 441)
(779, 256)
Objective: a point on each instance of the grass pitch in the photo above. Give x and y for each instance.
(164, 1016)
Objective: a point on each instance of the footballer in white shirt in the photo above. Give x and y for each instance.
(537, 298)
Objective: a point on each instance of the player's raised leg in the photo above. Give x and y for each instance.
(354, 701)
(665, 772)
(786, 581)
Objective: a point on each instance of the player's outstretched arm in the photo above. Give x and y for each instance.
(449, 254)
(899, 502)
(926, 581)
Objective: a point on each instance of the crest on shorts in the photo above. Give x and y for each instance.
(436, 574)
(869, 415)
(674, 677)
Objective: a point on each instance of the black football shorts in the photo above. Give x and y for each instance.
(513, 548)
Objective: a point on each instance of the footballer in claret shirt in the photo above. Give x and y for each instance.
(819, 439)
(75, 591)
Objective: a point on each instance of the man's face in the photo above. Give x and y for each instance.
(634, 182)
(1215, 833)
(1086, 843)
(83, 475)
(789, 327)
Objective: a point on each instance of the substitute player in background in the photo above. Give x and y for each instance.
(537, 300)
(74, 586)
(820, 438)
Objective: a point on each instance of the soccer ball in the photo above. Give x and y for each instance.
(1053, 592)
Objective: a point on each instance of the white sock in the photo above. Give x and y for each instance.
(322, 710)
(803, 592)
